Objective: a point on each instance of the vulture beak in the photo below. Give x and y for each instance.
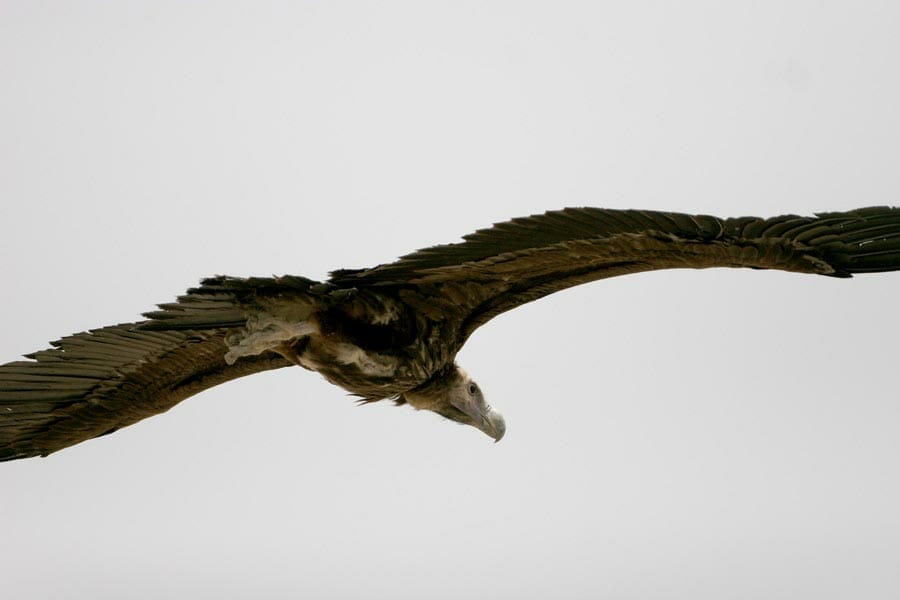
(493, 425)
(483, 417)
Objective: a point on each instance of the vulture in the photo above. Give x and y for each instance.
(393, 331)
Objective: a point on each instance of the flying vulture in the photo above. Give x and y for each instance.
(393, 331)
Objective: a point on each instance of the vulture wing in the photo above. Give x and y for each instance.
(511, 263)
(95, 382)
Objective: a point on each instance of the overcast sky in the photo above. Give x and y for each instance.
(708, 434)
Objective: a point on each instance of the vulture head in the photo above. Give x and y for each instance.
(452, 394)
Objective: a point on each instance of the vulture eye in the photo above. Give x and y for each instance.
(472, 389)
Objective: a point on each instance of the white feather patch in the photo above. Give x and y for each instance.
(265, 332)
(372, 364)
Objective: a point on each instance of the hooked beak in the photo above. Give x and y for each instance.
(484, 418)
(493, 425)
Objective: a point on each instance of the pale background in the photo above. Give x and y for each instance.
(721, 434)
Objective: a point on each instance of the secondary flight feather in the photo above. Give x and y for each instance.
(393, 331)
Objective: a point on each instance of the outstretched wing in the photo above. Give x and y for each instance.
(511, 263)
(95, 382)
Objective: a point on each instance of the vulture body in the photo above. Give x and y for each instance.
(393, 331)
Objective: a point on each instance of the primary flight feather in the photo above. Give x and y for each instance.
(393, 331)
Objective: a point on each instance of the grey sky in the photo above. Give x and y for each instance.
(719, 434)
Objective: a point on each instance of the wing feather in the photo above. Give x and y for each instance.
(95, 382)
(526, 258)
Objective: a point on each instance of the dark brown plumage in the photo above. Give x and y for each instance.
(393, 331)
